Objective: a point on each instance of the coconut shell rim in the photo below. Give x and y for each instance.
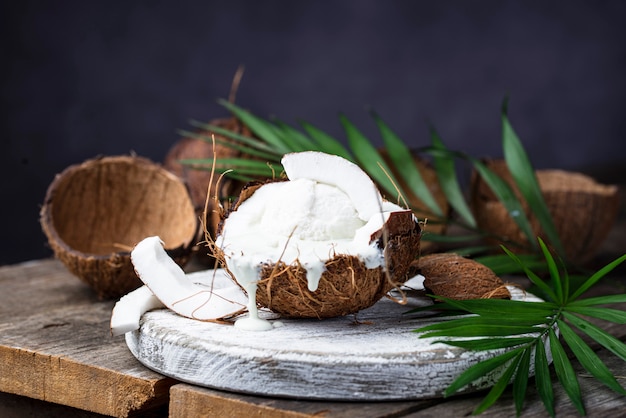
(50, 230)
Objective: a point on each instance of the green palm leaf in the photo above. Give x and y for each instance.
(533, 277)
(543, 382)
(599, 335)
(299, 140)
(526, 180)
(497, 389)
(554, 273)
(444, 166)
(599, 300)
(479, 327)
(588, 358)
(565, 372)
(488, 343)
(402, 159)
(262, 128)
(369, 158)
(239, 139)
(494, 308)
(326, 142)
(613, 315)
(520, 383)
(597, 276)
(505, 195)
(479, 370)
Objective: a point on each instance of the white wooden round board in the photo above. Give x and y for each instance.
(375, 355)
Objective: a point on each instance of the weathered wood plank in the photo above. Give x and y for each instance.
(187, 401)
(55, 345)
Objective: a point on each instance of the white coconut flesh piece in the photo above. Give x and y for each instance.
(338, 172)
(329, 207)
(128, 310)
(166, 282)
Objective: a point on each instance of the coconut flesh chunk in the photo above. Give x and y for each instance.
(128, 310)
(329, 207)
(166, 284)
(338, 172)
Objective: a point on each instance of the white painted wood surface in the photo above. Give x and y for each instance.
(373, 356)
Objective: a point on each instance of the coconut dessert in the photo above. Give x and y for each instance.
(321, 243)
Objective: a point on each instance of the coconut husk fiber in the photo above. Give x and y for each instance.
(456, 277)
(433, 224)
(95, 212)
(582, 209)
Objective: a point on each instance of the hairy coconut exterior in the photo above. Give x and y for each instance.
(434, 224)
(198, 177)
(347, 286)
(95, 212)
(583, 210)
(455, 277)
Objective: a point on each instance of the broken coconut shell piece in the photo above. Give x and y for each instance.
(95, 212)
(433, 224)
(456, 277)
(582, 209)
(320, 245)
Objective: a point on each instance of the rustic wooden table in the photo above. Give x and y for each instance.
(58, 359)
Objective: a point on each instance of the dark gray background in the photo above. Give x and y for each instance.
(82, 78)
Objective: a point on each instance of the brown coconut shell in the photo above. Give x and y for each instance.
(198, 178)
(347, 286)
(95, 212)
(456, 277)
(429, 175)
(583, 210)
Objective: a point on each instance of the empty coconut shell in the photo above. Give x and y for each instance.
(583, 210)
(456, 277)
(95, 212)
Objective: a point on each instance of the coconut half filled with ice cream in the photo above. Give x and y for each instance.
(322, 244)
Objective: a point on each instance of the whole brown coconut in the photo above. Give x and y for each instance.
(95, 212)
(347, 285)
(583, 210)
(456, 277)
(198, 177)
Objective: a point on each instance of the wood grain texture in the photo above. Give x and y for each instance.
(190, 401)
(55, 345)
